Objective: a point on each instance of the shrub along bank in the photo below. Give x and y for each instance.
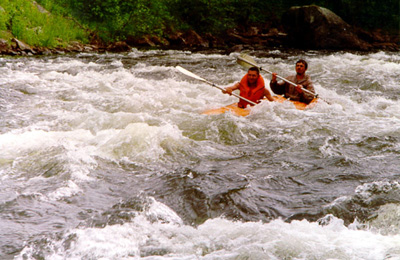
(34, 25)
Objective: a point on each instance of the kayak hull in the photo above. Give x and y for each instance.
(234, 109)
(299, 105)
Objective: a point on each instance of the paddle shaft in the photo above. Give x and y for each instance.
(287, 81)
(191, 74)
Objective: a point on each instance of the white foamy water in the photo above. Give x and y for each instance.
(109, 157)
(223, 239)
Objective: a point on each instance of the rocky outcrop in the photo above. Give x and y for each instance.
(3, 45)
(119, 47)
(21, 46)
(314, 27)
(188, 38)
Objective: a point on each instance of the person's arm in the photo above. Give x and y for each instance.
(229, 90)
(307, 97)
(275, 86)
(267, 94)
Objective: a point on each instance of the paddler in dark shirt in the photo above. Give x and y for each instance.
(251, 86)
(291, 92)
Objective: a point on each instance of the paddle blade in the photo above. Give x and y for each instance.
(188, 73)
(246, 61)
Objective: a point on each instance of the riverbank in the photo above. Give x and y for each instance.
(306, 28)
(233, 41)
(256, 38)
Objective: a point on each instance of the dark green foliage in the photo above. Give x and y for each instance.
(117, 19)
(204, 15)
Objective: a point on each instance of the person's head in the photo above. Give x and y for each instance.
(252, 75)
(301, 67)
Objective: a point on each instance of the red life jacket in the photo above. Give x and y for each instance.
(252, 93)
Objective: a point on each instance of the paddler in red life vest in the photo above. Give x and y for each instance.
(251, 87)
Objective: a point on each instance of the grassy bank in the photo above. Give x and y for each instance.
(29, 22)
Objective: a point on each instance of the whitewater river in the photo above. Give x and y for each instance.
(109, 157)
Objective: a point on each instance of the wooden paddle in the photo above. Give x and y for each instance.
(191, 74)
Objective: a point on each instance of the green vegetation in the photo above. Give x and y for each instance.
(116, 19)
(25, 20)
(113, 20)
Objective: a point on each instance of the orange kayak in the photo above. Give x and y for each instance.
(234, 109)
(299, 105)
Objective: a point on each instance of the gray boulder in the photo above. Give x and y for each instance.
(21, 46)
(315, 27)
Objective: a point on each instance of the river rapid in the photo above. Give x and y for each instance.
(107, 156)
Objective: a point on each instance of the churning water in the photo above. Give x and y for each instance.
(109, 157)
